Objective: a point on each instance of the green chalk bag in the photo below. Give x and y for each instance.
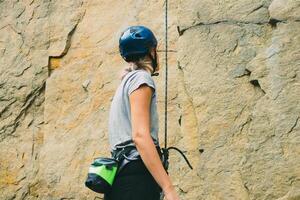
(101, 174)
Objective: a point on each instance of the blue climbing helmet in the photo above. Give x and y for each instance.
(136, 42)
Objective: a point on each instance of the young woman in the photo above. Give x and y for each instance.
(133, 121)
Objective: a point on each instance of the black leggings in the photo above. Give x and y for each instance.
(134, 182)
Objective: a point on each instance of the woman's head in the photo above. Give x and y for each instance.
(137, 46)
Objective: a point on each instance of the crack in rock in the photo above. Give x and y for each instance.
(256, 84)
(256, 9)
(293, 127)
(244, 124)
(54, 61)
(273, 22)
(225, 21)
(9, 129)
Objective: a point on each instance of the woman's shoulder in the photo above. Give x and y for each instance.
(138, 74)
(137, 78)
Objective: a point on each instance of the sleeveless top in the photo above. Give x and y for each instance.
(119, 127)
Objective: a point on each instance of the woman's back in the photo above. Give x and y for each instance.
(120, 131)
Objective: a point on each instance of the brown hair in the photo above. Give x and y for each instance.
(143, 63)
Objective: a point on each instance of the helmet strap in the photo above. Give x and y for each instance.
(154, 63)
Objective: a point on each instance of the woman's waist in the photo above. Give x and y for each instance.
(126, 149)
(127, 142)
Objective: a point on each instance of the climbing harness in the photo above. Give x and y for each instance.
(166, 149)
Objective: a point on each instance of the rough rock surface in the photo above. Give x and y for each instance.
(234, 93)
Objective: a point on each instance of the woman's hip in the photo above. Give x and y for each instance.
(134, 182)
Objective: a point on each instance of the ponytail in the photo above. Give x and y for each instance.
(143, 63)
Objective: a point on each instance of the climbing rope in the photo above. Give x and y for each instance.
(166, 149)
(166, 73)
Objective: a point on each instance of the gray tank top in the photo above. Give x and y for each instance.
(119, 127)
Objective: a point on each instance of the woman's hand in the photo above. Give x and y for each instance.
(170, 194)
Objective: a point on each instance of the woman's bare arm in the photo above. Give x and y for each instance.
(140, 101)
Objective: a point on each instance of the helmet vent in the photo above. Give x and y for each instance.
(138, 35)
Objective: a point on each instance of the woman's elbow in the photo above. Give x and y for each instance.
(139, 137)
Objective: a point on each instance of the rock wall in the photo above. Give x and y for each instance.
(233, 94)
(240, 67)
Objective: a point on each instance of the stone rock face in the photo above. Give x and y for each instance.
(234, 93)
(285, 10)
(242, 76)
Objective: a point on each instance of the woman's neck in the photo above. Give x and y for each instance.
(148, 69)
(145, 67)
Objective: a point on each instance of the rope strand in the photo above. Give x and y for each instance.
(165, 150)
(166, 74)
